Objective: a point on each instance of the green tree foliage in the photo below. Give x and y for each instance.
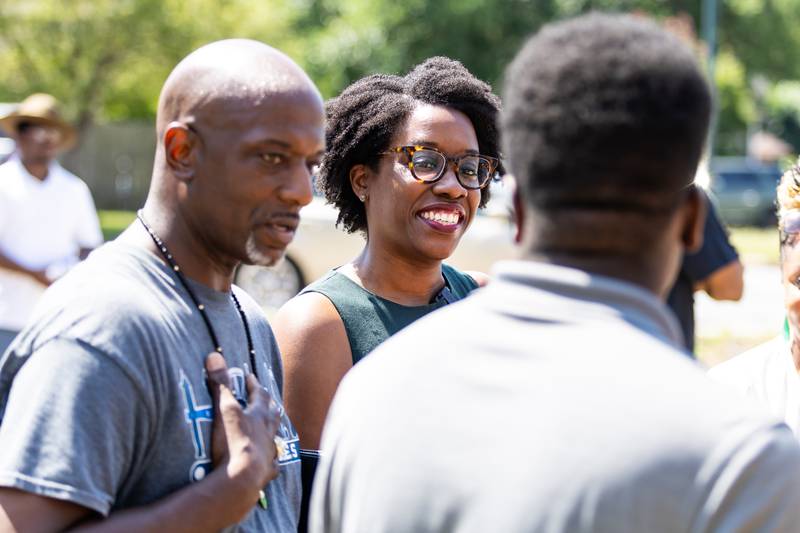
(108, 58)
(759, 51)
(75, 50)
(351, 39)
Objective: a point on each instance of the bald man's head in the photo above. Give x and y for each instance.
(240, 127)
(238, 70)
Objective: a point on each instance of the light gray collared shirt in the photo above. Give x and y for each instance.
(552, 400)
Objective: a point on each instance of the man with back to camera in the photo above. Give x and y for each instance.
(558, 398)
(48, 220)
(106, 415)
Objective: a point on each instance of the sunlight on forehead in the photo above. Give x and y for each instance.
(439, 127)
(257, 88)
(230, 72)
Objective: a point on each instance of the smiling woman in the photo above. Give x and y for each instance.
(409, 163)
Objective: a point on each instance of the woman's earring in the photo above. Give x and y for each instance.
(363, 197)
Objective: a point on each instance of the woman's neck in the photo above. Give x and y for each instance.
(396, 278)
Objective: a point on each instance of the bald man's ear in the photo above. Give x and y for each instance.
(696, 208)
(180, 146)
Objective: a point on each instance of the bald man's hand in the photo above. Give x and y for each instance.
(244, 454)
(243, 438)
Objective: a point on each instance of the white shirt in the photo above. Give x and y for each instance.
(767, 375)
(43, 226)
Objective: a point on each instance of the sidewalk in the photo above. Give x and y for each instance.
(724, 329)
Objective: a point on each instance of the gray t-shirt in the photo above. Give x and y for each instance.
(550, 401)
(103, 398)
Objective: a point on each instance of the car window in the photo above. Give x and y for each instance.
(736, 180)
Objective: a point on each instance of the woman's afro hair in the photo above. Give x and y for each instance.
(362, 121)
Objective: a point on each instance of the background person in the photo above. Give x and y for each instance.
(105, 407)
(559, 397)
(48, 220)
(768, 374)
(714, 269)
(409, 161)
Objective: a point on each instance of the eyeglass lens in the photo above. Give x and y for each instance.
(429, 165)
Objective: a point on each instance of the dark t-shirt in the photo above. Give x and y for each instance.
(369, 319)
(716, 252)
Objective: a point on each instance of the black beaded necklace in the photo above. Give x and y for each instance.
(200, 307)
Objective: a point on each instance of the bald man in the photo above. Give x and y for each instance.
(108, 419)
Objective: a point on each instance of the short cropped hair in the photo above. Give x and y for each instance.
(604, 114)
(363, 119)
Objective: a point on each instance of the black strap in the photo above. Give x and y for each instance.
(308, 466)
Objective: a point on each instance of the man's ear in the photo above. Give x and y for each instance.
(180, 146)
(695, 209)
(359, 181)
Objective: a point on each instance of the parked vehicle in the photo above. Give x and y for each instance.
(744, 191)
(319, 246)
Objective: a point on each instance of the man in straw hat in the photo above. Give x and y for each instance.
(47, 217)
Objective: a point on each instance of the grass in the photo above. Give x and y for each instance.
(756, 245)
(714, 350)
(113, 222)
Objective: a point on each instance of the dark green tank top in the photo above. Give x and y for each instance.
(369, 319)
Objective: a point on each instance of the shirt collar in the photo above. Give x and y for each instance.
(542, 291)
(53, 169)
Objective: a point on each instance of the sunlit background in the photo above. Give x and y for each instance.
(106, 60)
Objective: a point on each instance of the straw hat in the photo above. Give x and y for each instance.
(40, 108)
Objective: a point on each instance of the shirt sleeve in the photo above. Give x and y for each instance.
(72, 426)
(3, 215)
(88, 233)
(716, 252)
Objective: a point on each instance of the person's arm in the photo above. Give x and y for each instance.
(316, 355)
(244, 457)
(88, 234)
(725, 283)
(9, 264)
(715, 268)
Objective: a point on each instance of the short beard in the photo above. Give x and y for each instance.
(257, 257)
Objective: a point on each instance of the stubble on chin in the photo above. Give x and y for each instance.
(255, 256)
